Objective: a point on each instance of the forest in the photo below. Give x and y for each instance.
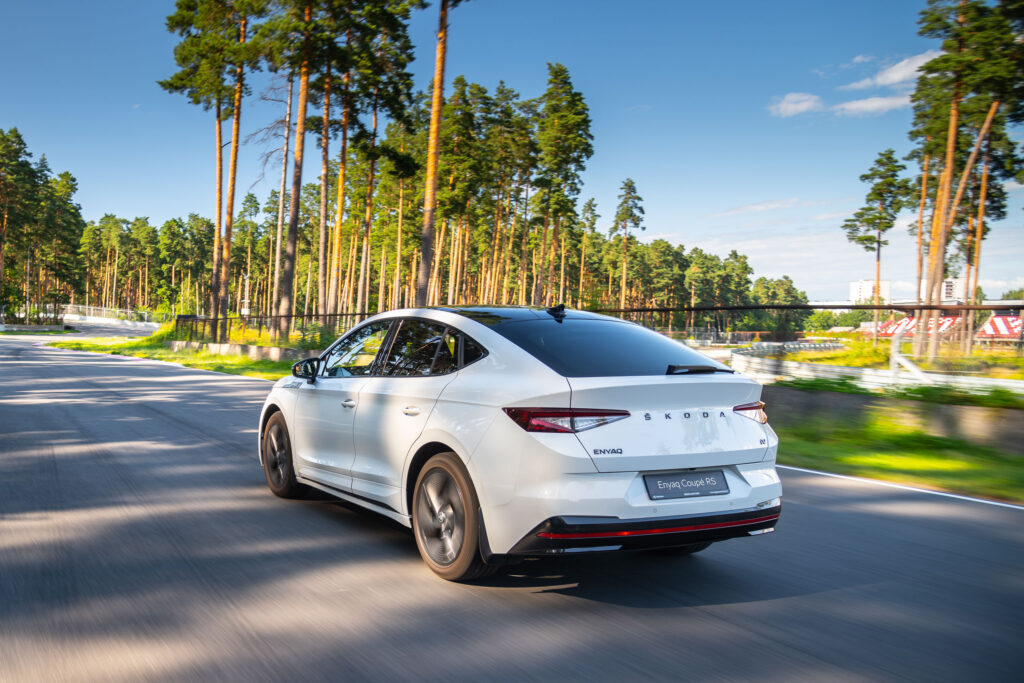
(468, 196)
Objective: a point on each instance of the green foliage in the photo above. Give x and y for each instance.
(820, 321)
(856, 354)
(783, 323)
(41, 228)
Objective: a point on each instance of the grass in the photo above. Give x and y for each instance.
(881, 449)
(155, 347)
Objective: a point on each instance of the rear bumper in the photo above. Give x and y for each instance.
(577, 534)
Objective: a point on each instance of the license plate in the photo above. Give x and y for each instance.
(686, 484)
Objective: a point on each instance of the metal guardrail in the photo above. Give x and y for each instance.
(116, 313)
(770, 348)
(770, 370)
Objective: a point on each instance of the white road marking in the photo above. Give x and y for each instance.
(904, 487)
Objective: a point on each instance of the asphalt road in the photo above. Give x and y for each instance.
(138, 541)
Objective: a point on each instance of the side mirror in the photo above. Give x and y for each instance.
(307, 369)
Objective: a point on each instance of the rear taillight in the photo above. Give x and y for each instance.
(563, 420)
(755, 411)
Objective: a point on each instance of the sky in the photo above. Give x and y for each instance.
(745, 125)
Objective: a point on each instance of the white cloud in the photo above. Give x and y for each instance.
(995, 287)
(795, 103)
(861, 59)
(770, 205)
(1013, 186)
(900, 73)
(871, 106)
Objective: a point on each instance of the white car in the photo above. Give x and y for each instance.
(498, 433)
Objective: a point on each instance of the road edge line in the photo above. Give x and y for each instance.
(904, 487)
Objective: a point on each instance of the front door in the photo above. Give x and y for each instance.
(325, 411)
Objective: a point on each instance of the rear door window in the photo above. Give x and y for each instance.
(416, 345)
(471, 351)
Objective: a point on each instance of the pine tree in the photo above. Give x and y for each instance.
(888, 195)
(564, 142)
(430, 181)
(629, 212)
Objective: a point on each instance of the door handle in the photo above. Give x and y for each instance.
(349, 403)
(411, 410)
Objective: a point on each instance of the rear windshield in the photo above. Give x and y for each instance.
(599, 348)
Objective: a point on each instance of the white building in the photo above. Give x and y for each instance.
(863, 291)
(953, 290)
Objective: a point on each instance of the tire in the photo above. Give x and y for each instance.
(277, 459)
(446, 520)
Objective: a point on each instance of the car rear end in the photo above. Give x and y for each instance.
(669, 448)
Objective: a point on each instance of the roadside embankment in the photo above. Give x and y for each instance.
(1001, 428)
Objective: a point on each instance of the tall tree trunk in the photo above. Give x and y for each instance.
(396, 288)
(920, 248)
(364, 267)
(434, 291)
(453, 262)
(280, 197)
(236, 119)
(113, 289)
(979, 237)
(949, 217)
(429, 197)
(561, 275)
(284, 308)
(334, 289)
(309, 280)
(349, 290)
(381, 279)
(625, 255)
(321, 273)
(539, 280)
(878, 277)
(583, 270)
(215, 280)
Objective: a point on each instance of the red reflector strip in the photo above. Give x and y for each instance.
(666, 530)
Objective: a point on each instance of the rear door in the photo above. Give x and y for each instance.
(395, 405)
